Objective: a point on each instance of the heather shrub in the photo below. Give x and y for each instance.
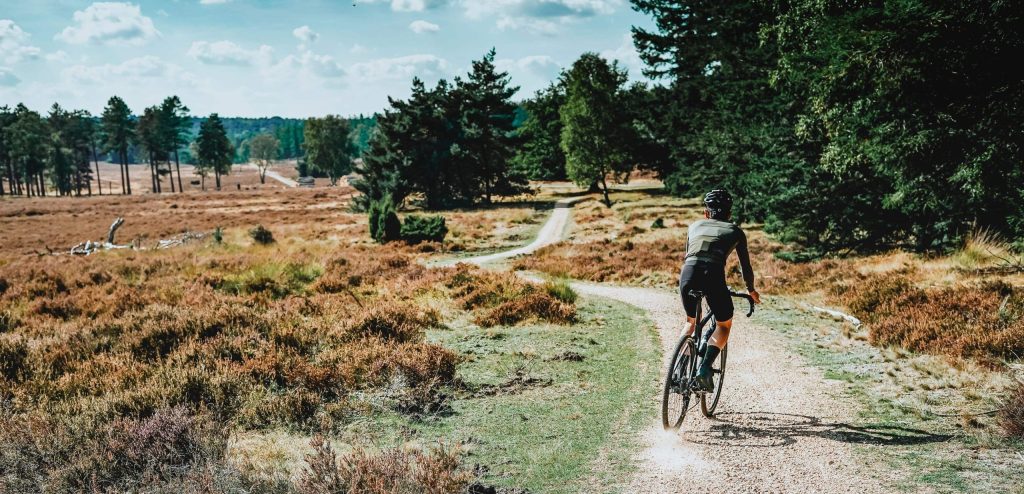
(417, 229)
(1011, 415)
(8, 321)
(170, 448)
(13, 359)
(261, 235)
(531, 305)
(394, 321)
(383, 220)
(865, 294)
(984, 322)
(272, 279)
(392, 471)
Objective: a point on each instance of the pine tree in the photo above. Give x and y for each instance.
(486, 143)
(118, 132)
(540, 155)
(213, 148)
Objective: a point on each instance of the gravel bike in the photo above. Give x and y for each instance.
(681, 375)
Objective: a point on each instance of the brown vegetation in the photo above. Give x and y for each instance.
(393, 471)
(1011, 416)
(506, 299)
(125, 356)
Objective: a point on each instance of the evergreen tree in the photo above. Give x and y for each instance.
(152, 137)
(118, 132)
(213, 148)
(176, 125)
(486, 143)
(540, 155)
(28, 141)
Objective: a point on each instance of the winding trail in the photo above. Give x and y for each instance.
(275, 176)
(778, 427)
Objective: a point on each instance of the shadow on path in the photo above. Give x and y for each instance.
(765, 429)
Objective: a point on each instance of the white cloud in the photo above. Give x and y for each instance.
(213, 2)
(305, 34)
(57, 56)
(537, 16)
(626, 55)
(410, 5)
(137, 70)
(228, 53)
(110, 23)
(14, 46)
(398, 68)
(420, 27)
(358, 49)
(306, 65)
(7, 78)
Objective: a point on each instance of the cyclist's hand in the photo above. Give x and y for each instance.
(756, 296)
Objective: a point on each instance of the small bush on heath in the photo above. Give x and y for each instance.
(1011, 416)
(261, 235)
(417, 229)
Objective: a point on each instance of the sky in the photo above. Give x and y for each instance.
(296, 58)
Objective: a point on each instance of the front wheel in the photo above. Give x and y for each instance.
(676, 394)
(709, 401)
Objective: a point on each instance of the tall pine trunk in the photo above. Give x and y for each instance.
(177, 165)
(152, 173)
(127, 176)
(99, 184)
(216, 173)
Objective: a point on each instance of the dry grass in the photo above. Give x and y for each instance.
(502, 298)
(1011, 416)
(31, 225)
(393, 471)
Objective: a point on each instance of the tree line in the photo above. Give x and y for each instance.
(59, 153)
(844, 125)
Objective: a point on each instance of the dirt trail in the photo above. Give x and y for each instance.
(778, 427)
(271, 174)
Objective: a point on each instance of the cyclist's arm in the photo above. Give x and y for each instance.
(744, 255)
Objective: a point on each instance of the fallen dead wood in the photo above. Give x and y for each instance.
(90, 247)
(834, 313)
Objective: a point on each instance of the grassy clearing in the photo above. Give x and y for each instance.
(925, 410)
(542, 401)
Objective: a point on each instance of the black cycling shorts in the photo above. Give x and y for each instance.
(709, 279)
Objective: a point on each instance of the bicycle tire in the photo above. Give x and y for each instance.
(669, 418)
(709, 409)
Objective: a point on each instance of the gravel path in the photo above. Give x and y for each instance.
(271, 174)
(778, 428)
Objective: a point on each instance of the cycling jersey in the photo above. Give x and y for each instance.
(711, 241)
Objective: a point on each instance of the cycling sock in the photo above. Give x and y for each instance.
(710, 354)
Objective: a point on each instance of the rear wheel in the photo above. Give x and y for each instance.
(709, 401)
(676, 394)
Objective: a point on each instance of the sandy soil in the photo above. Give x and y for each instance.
(780, 427)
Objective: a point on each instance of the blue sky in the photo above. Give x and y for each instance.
(290, 58)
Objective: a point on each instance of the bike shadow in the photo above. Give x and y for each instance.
(770, 429)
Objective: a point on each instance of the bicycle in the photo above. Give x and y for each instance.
(681, 374)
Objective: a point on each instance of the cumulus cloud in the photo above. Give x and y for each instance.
(57, 56)
(213, 2)
(136, 69)
(626, 55)
(420, 27)
(7, 78)
(228, 53)
(305, 34)
(14, 45)
(109, 23)
(409, 5)
(537, 16)
(406, 67)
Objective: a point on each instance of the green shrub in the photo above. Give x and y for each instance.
(561, 290)
(658, 224)
(261, 235)
(417, 229)
(218, 235)
(384, 223)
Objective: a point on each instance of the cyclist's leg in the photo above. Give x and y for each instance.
(686, 281)
(720, 301)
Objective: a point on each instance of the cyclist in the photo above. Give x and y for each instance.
(709, 243)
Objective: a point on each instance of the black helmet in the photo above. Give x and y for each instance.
(718, 201)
